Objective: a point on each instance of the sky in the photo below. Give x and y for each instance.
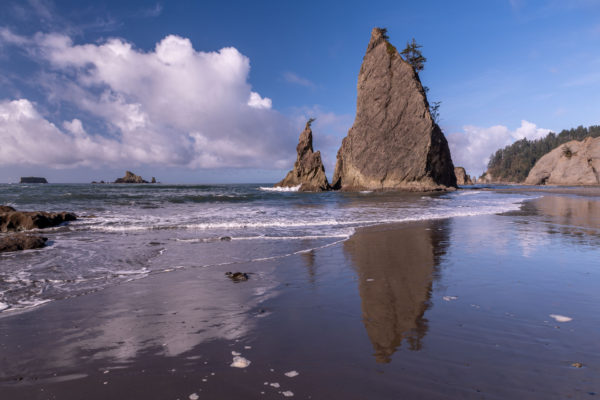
(218, 92)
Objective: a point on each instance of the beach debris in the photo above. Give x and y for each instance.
(275, 384)
(561, 318)
(225, 238)
(237, 276)
(193, 396)
(450, 298)
(240, 362)
(291, 374)
(287, 393)
(577, 365)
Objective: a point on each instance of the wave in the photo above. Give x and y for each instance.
(280, 189)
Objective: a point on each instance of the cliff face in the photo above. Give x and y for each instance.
(394, 142)
(573, 163)
(462, 178)
(308, 169)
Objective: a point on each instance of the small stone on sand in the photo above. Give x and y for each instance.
(577, 365)
(287, 393)
(275, 384)
(291, 374)
(235, 353)
(193, 396)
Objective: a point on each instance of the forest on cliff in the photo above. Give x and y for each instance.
(513, 163)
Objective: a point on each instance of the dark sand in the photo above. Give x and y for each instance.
(455, 308)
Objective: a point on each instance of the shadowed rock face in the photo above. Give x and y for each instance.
(20, 241)
(572, 163)
(308, 169)
(130, 177)
(461, 176)
(394, 142)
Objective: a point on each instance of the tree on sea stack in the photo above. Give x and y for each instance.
(413, 55)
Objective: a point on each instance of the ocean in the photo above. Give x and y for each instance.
(128, 232)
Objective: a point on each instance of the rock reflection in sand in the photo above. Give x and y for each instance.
(395, 270)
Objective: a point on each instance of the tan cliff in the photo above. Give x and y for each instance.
(572, 163)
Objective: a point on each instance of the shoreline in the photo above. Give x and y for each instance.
(447, 308)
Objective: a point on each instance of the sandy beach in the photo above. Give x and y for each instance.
(493, 306)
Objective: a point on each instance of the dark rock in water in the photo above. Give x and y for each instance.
(4, 209)
(25, 220)
(130, 177)
(153, 180)
(394, 142)
(225, 238)
(237, 276)
(21, 241)
(308, 169)
(461, 176)
(33, 179)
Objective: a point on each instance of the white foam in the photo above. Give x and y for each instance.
(561, 318)
(3, 306)
(287, 393)
(240, 362)
(291, 374)
(449, 298)
(280, 189)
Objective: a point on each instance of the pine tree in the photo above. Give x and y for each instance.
(413, 55)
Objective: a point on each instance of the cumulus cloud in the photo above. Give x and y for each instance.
(173, 106)
(472, 148)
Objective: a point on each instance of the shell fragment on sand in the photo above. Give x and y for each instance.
(240, 362)
(561, 318)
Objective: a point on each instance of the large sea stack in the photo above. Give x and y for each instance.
(130, 177)
(308, 170)
(394, 142)
(573, 163)
(462, 178)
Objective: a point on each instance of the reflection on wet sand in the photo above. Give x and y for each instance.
(395, 270)
(580, 212)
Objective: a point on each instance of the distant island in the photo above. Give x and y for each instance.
(130, 177)
(33, 179)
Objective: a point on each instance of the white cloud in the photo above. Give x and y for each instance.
(172, 106)
(472, 148)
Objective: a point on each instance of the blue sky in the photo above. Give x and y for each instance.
(209, 91)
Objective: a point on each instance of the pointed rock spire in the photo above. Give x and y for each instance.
(394, 142)
(308, 169)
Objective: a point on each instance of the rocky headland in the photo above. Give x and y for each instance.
(33, 179)
(573, 163)
(308, 171)
(462, 178)
(394, 142)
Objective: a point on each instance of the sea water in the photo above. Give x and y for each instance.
(127, 232)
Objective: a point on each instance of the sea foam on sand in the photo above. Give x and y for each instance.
(560, 318)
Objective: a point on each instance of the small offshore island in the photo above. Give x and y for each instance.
(400, 278)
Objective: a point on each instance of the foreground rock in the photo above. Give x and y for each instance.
(130, 177)
(394, 142)
(308, 170)
(237, 276)
(462, 178)
(21, 241)
(11, 220)
(33, 179)
(572, 163)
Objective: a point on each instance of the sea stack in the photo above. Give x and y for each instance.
(462, 178)
(572, 163)
(130, 177)
(308, 170)
(394, 142)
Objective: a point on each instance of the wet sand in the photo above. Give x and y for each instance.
(456, 308)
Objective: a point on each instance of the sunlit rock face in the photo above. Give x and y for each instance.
(394, 142)
(572, 163)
